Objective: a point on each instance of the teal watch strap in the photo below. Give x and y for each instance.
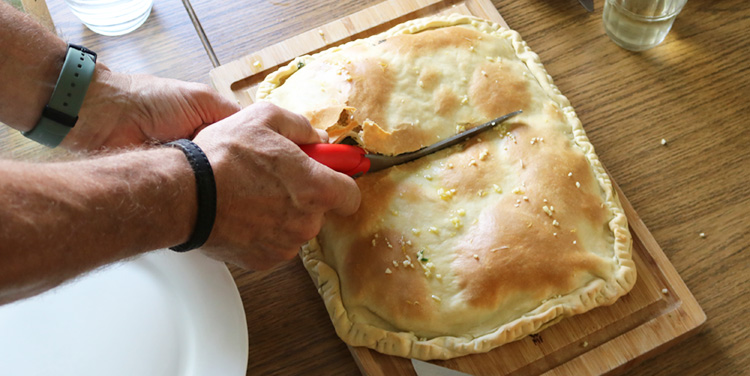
(61, 113)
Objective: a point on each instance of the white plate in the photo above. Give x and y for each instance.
(161, 314)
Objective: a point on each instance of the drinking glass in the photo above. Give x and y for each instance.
(638, 25)
(111, 17)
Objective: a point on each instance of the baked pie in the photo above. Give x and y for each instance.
(474, 246)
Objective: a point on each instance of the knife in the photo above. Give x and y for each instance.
(355, 161)
(588, 4)
(429, 369)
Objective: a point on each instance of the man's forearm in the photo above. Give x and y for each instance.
(30, 62)
(59, 220)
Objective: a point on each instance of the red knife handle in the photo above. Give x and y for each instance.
(347, 159)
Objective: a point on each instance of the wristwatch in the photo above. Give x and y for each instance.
(61, 113)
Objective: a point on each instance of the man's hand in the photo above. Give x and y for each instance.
(271, 196)
(63, 219)
(123, 110)
(119, 110)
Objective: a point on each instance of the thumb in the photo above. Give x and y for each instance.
(341, 191)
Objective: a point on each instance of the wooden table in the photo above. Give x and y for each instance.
(691, 91)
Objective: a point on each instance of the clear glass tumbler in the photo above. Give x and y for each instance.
(111, 17)
(638, 25)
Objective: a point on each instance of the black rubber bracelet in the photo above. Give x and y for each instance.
(206, 189)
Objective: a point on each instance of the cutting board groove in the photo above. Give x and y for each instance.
(658, 312)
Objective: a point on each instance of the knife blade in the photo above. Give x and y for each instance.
(588, 4)
(355, 161)
(429, 369)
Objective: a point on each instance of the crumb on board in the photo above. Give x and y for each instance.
(536, 338)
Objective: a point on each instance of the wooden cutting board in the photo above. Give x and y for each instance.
(657, 313)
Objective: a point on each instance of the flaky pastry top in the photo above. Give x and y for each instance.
(476, 245)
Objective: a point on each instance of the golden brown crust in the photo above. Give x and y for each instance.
(474, 246)
(490, 82)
